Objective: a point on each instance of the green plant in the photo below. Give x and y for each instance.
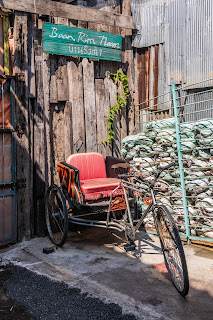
(119, 78)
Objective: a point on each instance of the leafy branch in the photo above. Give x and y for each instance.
(118, 78)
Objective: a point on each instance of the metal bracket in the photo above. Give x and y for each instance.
(20, 183)
(17, 77)
(20, 129)
(20, 77)
(5, 130)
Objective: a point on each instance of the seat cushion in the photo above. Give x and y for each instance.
(90, 165)
(94, 189)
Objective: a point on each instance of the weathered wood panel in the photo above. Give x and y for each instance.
(53, 84)
(62, 83)
(123, 113)
(23, 151)
(46, 112)
(89, 105)
(31, 58)
(58, 137)
(68, 11)
(102, 106)
(39, 140)
(68, 134)
(75, 80)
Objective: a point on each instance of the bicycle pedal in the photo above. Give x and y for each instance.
(130, 246)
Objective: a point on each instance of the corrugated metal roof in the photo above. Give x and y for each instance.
(186, 27)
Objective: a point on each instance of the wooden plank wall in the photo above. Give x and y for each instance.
(64, 104)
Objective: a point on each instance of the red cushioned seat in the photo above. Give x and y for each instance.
(93, 178)
(90, 165)
(94, 189)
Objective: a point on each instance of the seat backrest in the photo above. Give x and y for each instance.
(91, 165)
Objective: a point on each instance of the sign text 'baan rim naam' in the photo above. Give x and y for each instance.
(70, 41)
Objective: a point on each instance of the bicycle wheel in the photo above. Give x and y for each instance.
(56, 215)
(172, 249)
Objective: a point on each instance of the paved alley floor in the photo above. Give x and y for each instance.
(95, 265)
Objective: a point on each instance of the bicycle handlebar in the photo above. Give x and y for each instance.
(139, 175)
(165, 168)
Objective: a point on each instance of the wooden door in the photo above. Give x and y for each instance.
(8, 230)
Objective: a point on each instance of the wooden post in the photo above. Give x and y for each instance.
(41, 133)
(31, 56)
(46, 111)
(24, 156)
(39, 140)
(89, 105)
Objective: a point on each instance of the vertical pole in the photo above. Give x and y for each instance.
(180, 161)
(2, 97)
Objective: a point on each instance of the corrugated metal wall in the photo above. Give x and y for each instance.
(186, 29)
(149, 19)
(199, 31)
(176, 40)
(152, 66)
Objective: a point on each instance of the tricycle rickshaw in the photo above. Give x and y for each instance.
(95, 192)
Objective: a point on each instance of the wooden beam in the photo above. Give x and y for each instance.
(66, 1)
(63, 10)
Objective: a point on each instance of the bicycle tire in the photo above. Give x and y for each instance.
(172, 249)
(56, 215)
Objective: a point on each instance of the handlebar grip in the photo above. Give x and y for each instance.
(169, 165)
(120, 176)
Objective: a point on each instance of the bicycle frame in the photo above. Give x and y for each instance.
(129, 185)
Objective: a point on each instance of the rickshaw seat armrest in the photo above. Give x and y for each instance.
(121, 165)
(113, 172)
(76, 172)
(69, 166)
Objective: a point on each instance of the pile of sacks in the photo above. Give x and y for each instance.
(155, 147)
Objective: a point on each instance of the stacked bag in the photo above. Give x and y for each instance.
(155, 147)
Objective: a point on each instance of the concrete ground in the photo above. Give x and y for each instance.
(95, 262)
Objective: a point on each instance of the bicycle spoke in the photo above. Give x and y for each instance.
(56, 215)
(172, 250)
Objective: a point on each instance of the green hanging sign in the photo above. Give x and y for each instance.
(70, 41)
